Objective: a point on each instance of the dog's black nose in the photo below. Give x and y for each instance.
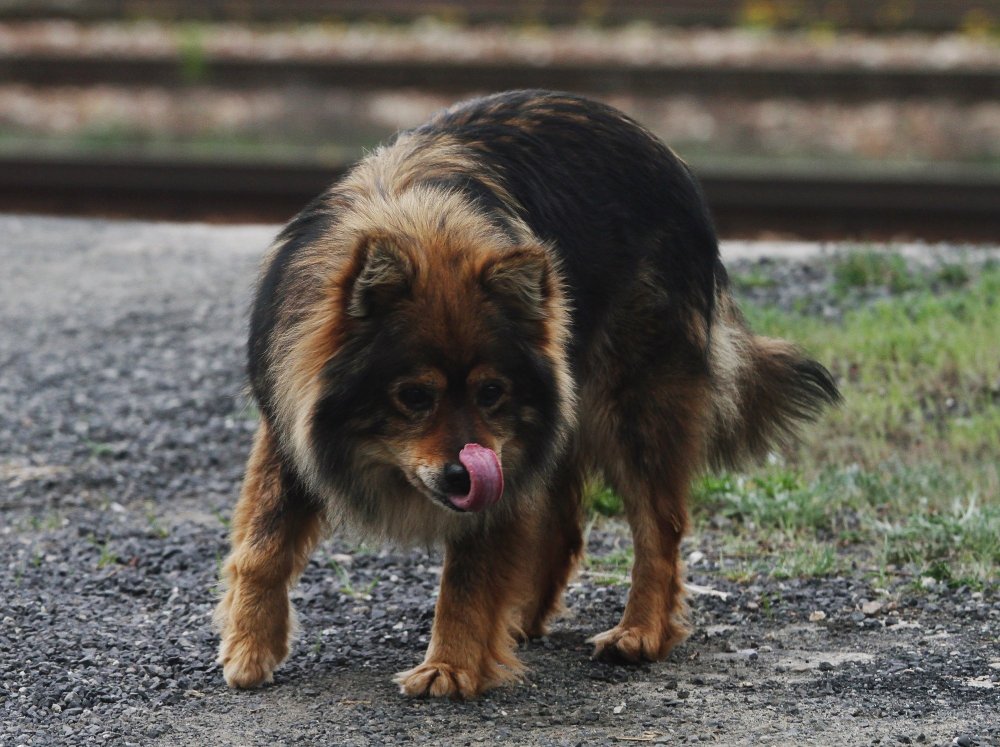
(456, 479)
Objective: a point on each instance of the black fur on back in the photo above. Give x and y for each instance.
(602, 189)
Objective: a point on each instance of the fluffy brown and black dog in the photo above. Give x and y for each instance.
(521, 293)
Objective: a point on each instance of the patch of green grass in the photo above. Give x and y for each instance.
(225, 520)
(958, 544)
(191, 50)
(919, 520)
(953, 275)
(777, 499)
(156, 528)
(47, 522)
(918, 372)
(612, 569)
(218, 587)
(107, 555)
(128, 139)
(756, 278)
(602, 500)
(776, 523)
(347, 586)
(768, 603)
(99, 449)
(866, 269)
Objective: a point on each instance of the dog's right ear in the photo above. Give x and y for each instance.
(521, 281)
(383, 275)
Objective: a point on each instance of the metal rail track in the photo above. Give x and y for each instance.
(786, 81)
(951, 207)
(869, 15)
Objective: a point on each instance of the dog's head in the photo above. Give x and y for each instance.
(449, 378)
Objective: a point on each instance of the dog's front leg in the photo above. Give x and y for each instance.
(274, 529)
(484, 583)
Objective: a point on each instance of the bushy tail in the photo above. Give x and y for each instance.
(763, 389)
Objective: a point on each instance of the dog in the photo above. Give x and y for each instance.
(522, 293)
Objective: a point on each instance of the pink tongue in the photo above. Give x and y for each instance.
(485, 478)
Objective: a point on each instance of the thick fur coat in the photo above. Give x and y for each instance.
(534, 274)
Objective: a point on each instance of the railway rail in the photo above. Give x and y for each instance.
(942, 206)
(867, 15)
(775, 80)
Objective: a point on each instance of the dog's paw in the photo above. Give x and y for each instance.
(439, 680)
(531, 632)
(633, 644)
(245, 664)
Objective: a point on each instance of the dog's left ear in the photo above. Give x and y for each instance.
(382, 276)
(521, 281)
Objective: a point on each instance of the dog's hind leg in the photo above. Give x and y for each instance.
(660, 445)
(274, 529)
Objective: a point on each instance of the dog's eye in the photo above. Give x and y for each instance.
(489, 394)
(416, 398)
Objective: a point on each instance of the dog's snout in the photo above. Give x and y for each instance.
(456, 479)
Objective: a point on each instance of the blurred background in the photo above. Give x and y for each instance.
(804, 118)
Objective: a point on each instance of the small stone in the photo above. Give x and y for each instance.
(825, 666)
(871, 608)
(817, 616)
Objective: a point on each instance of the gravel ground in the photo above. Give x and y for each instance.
(123, 432)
